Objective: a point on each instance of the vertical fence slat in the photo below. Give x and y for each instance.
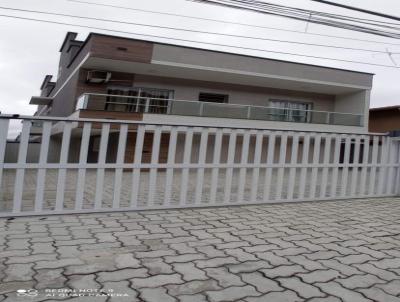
(293, 161)
(383, 162)
(123, 134)
(141, 131)
(345, 167)
(41, 174)
(62, 173)
(335, 170)
(187, 153)
(200, 169)
(390, 185)
(243, 160)
(326, 161)
(83, 154)
(230, 161)
(354, 175)
(20, 173)
(269, 170)
(215, 170)
(314, 170)
(98, 199)
(171, 160)
(256, 169)
(304, 163)
(374, 160)
(364, 169)
(4, 124)
(155, 152)
(397, 181)
(281, 170)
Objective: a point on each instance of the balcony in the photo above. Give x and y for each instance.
(134, 104)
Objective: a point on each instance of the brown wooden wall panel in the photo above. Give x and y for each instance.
(384, 121)
(121, 49)
(131, 116)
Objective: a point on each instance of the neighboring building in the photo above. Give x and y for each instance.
(129, 79)
(384, 119)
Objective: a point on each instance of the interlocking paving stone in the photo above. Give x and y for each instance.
(303, 289)
(392, 287)
(261, 283)
(157, 281)
(215, 262)
(224, 277)
(50, 278)
(344, 269)
(345, 294)
(232, 293)
(19, 272)
(189, 271)
(156, 295)
(126, 260)
(192, 298)
(378, 294)
(284, 296)
(319, 252)
(123, 274)
(192, 287)
(360, 281)
(319, 276)
(283, 271)
(380, 273)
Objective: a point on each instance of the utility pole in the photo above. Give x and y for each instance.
(359, 9)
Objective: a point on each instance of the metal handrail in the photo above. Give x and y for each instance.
(221, 104)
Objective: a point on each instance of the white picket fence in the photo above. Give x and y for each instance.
(203, 167)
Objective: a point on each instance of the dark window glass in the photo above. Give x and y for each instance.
(213, 97)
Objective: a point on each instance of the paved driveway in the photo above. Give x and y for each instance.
(321, 251)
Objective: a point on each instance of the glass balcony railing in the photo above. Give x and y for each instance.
(136, 104)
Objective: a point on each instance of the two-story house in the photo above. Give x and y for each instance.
(128, 79)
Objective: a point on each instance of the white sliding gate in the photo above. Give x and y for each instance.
(94, 165)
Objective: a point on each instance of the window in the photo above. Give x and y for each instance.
(149, 100)
(289, 111)
(213, 97)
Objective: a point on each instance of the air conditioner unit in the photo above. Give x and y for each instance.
(98, 77)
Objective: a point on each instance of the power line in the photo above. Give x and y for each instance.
(297, 14)
(233, 23)
(197, 42)
(194, 31)
(359, 9)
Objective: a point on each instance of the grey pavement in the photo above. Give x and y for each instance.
(315, 251)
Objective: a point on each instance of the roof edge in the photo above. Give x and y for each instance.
(91, 34)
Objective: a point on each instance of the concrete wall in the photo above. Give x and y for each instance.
(356, 102)
(225, 61)
(238, 94)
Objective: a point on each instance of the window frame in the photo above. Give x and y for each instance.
(137, 100)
